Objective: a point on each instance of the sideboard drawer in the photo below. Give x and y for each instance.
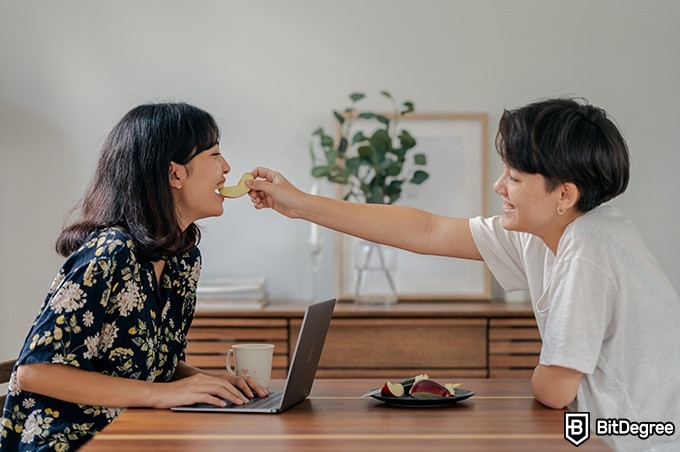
(514, 347)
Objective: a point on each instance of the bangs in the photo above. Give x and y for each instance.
(203, 132)
(200, 132)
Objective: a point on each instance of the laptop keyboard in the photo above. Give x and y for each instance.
(260, 402)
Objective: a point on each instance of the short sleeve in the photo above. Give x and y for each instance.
(501, 251)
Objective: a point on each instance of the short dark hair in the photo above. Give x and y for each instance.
(130, 188)
(567, 140)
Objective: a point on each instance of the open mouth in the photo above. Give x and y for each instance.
(507, 207)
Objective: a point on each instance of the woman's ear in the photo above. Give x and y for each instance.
(569, 195)
(178, 174)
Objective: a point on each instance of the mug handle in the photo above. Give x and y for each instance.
(230, 353)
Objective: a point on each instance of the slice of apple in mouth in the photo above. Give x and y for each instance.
(238, 190)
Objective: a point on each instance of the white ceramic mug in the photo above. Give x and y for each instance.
(251, 360)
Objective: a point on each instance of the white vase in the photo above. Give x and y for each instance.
(375, 267)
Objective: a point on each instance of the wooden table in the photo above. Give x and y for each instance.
(501, 416)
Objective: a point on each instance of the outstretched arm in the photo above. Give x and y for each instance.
(402, 227)
(65, 382)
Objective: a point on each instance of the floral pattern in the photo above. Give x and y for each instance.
(106, 313)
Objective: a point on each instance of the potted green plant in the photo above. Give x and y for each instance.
(372, 165)
(369, 156)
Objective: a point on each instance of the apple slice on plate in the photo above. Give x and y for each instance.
(390, 389)
(428, 389)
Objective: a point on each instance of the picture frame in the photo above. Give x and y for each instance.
(456, 146)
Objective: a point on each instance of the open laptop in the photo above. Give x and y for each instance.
(300, 374)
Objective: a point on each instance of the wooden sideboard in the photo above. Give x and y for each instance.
(465, 339)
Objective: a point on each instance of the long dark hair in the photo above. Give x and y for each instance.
(567, 140)
(130, 188)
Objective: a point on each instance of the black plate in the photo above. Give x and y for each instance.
(408, 401)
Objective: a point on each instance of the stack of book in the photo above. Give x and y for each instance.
(231, 294)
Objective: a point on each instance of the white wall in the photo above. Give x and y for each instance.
(270, 71)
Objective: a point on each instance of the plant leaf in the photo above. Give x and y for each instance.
(408, 107)
(352, 165)
(331, 157)
(342, 146)
(326, 141)
(419, 176)
(394, 169)
(393, 191)
(388, 166)
(359, 137)
(386, 94)
(356, 96)
(420, 159)
(383, 119)
(339, 117)
(406, 139)
(320, 171)
(380, 141)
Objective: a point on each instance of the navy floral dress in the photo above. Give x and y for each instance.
(105, 313)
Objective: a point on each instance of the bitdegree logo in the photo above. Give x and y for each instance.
(576, 427)
(643, 430)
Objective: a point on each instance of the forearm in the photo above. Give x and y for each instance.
(399, 226)
(402, 227)
(75, 385)
(372, 222)
(189, 385)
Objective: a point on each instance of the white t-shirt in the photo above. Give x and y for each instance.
(604, 308)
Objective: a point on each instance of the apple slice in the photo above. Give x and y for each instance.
(238, 190)
(428, 389)
(390, 389)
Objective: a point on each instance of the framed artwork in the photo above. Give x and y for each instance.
(455, 145)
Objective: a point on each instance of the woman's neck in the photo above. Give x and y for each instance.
(158, 267)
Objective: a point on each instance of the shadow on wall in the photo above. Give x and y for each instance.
(41, 177)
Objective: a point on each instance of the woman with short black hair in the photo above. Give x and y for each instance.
(607, 315)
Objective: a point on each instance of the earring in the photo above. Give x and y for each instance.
(560, 211)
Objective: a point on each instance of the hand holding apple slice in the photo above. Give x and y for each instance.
(238, 190)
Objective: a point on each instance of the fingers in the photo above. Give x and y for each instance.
(235, 396)
(247, 385)
(250, 382)
(215, 390)
(261, 187)
(267, 174)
